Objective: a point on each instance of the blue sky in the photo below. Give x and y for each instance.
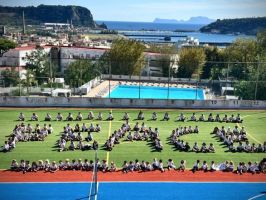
(147, 10)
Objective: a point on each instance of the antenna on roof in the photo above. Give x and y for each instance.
(23, 20)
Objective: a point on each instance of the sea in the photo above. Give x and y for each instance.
(142, 31)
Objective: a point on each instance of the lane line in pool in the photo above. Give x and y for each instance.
(252, 137)
(109, 134)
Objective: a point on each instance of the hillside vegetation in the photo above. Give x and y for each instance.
(80, 16)
(248, 26)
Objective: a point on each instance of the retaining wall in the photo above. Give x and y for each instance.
(128, 103)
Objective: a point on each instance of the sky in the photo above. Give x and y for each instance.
(148, 10)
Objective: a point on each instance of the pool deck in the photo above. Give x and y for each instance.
(102, 89)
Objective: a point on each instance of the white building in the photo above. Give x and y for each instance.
(71, 54)
(17, 57)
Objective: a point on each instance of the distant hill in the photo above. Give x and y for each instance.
(248, 26)
(192, 20)
(80, 16)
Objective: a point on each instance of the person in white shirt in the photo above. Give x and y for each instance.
(126, 116)
(154, 116)
(110, 116)
(21, 117)
(161, 166)
(90, 115)
(6, 147)
(166, 116)
(79, 117)
(59, 117)
(170, 164)
(204, 166)
(100, 116)
(193, 117)
(181, 117)
(196, 166)
(34, 117)
(48, 117)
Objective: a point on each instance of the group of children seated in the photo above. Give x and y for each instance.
(228, 166)
(184, 146)
(154, 165)
(86, 165)
(211, 118)
(70, 117)
(138, 133)
(229, 137)
(25, 133)
(75, 134)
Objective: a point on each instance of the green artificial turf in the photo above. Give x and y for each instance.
(254, 122)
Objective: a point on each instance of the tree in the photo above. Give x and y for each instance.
(38, 63)
(125, 57)
(257, 78)
(29, 80)
(80, 72)
(213, 56)
(242, 52)
(5, 45)
(10, 77)
(191, 61)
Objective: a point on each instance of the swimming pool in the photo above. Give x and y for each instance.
(153, 92)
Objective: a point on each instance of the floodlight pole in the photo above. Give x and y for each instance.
(109, 79)
(257, 78)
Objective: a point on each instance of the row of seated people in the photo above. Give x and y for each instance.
(86, 165)
(23, 133)
(76, 145)
(59, 117)
(140, 116)
(92, 128)
(184, 146)
(211, 118)
(183, 131)
(228, 166)
(247, 147)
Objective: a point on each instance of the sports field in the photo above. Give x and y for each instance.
(254, 122)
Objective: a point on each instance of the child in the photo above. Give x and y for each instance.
(59, 117)
(48, 117)
(110, 117)
(79, 117)
(90, 115)
(112, 167)
(104, 166)
(21, 117)
(34, 167)
(182, 166)
(14, 165)
(161, 166)
(170, 164)
(204, 166)
(196, 166)
(46, 165)
(166, 116)
(53, 168)
(22, 166)
(125, 167)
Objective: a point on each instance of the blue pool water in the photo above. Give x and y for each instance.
(152, 92)
(134, 190)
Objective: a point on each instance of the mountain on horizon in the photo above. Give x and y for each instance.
(192, 20)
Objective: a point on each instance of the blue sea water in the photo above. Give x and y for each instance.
(137, 26)
(190, 30)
